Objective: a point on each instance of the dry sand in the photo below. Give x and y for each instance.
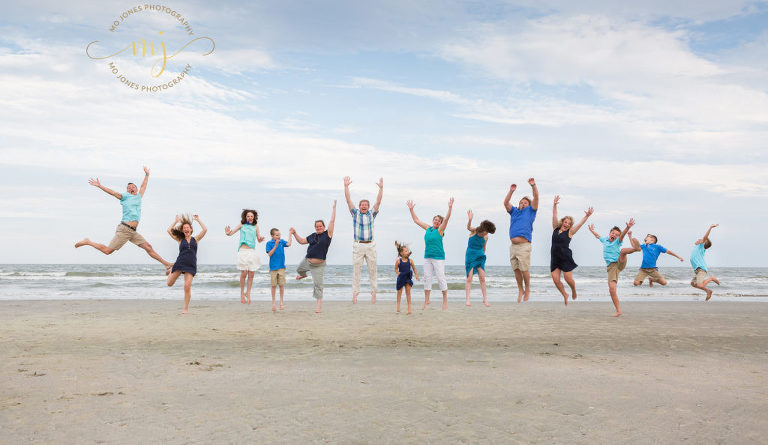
(139, 372)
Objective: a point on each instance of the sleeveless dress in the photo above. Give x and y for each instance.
(475, 257)
(562, 257)
(186, 262)
(406, 274)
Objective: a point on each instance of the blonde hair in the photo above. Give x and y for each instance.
(564, 218)
(178, 229)
(400, 246)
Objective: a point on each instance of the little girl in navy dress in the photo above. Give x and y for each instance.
(186, 263)
(406, 270)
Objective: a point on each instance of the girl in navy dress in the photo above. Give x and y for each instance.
(186, 263)
(562, 257)
(406, 270)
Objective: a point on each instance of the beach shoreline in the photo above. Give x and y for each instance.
(138, 371)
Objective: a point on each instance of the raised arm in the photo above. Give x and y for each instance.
(592, 229)
(418, 222)
(578, 225)
(675, 255)
(230, 232)
(170, 228)
(442, 227)
(378, 197)
(143, 187)
(348, 181)
(96, 183)
(555, 220)
(298, 237)
(507, 203)
(470, 215)
(535, 203)
(290, 240)
(202, 233)
(706, 235)
(630, 223)
(332, 222)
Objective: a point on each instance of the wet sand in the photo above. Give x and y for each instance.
(139, 371)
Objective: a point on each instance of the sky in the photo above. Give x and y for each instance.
(654, 110)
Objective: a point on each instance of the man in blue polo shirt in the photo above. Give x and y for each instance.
(520, 232)
(364, 248)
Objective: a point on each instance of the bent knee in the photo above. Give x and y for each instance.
(636, 283)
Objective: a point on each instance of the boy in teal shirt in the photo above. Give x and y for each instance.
(700, 279)
(616, 257)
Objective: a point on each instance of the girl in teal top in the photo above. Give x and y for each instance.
(247, 257)
(474, 259)
(434, 255)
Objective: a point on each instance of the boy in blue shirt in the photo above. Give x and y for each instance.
(276, 251)
(651, 252)
(616, 257)
(700, 279)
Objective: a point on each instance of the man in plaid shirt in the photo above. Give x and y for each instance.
(364, 248)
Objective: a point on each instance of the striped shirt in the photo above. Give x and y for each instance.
(363, 224)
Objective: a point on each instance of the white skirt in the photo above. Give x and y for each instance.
(248, 259)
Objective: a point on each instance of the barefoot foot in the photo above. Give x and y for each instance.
(82, 243)
(274, 308)
(714, 278)
(616, 314)
(281, 306)
(650, 282)
(468, 303)
(527, 295)
(709, 295)
(486, 303)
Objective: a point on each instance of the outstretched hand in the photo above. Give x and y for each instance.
(410, 204)
(450, 203)
(260, 239)
(470, 214)
(512, 188)
(94, 182)
(591, 227)
(631, 222)
(532, 182)
(713, 226)
(146, 170)
(557, 199)
(227, 230)
(589, 211)
(380, 183)
(347, 181)
(196, 217)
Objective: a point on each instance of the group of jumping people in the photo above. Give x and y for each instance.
(364, 249)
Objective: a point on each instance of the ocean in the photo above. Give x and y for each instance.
(221, 283)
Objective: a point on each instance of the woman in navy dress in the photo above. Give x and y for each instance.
(561, 255)
(186, 262)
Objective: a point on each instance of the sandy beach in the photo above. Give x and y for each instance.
(137, 371)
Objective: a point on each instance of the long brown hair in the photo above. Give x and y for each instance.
(245, 213)
(177, 231)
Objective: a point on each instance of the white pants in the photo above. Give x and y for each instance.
(434, 267)
(363, 252)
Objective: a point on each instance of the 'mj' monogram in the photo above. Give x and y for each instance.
(145, 48)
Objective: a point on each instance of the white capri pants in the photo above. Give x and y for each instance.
(434, 267)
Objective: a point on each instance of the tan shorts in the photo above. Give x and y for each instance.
(520, 256)
(652, 272)
(123, 234)
(277, 277)
(614, 269)
(699, 276)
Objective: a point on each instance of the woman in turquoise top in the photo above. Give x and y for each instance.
(434, 255)
(474, 259)
(247, 258)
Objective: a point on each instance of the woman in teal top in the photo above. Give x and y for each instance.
(474, 259)
(434, 255)
(247, 258)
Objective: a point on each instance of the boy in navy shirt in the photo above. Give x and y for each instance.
(651, 252)
(275, 249)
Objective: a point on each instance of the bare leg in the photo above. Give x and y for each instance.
(614, 298)
(481, 277)
(399, 294)
(468, 285)
(520, 290)
(151, 252)
(282, 292)
(243, 274)
(319, 308)
(408, 297)
(559, 285)
(527, 280)
(187, 291)
(248, 290)
(100, 247)
(704, 288)
(173, 277)
(274, 307)
(662, 281)
(571, 283)
(711, 278)
(445, 299)
(426, 299)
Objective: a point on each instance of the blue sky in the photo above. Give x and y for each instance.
(654, 110)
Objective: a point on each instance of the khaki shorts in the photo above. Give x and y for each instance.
(699, 276)
(652, 272)
(520, 256)
(614, 269)
(123, 234)
(277, 277)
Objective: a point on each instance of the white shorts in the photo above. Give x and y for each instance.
(248, 259)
